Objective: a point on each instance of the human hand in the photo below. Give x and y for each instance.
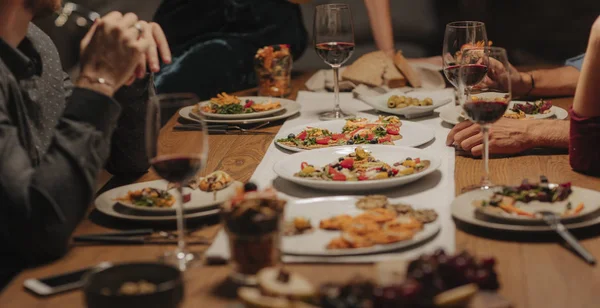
(111, 50)
(154, 35)
(507, 136)
(520, 82)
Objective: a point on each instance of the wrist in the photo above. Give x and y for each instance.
(548, 134)
(525, 85)
(97, 84)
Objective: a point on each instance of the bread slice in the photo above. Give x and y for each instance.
(374, 69)
(402, 64)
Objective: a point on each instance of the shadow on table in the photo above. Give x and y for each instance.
(107, 221)
(428, 182)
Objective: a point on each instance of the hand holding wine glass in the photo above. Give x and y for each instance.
(485, 106)
(334, 43)
(175, 164)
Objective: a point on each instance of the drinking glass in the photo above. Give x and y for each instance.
(175, 163)
(460, 35)
(334, 43)
(484, 105)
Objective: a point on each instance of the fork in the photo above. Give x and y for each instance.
(222, 129)
(552, 220)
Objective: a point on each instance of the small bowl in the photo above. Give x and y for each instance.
(101, 288)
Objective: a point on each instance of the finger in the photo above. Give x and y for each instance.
(477, 150)
(472, 142)
(161, 42)
(140, 71)
(113, 16)
(457, 128)
(130, 81)
(466, 133)
(88, 36)
(128, 21)
(152, 53)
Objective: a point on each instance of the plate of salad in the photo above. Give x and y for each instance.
(540, 109)
(351, 168)
(225, 106)
(388, 130)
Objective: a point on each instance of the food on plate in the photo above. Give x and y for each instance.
(515, 200)
(375, 226)
(414, 78)
(380, 201)
(273, 66)
(137, 288)
(518, 115)
(297, 226)
(149, 197)
(372, 202)
(396, 101)
(356, 293)
(361, 166)
(400, 208)
(252, 220)
(384, 130)
(374, 69)
(424, 216)
(538, 107)
(215, 181)
(231, 104)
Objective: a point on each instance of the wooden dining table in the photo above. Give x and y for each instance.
(535, 270)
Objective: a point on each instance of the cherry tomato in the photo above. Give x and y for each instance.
(303, 164)
(339, 177)
(323, 140)
(249, 103)
(363, 177)
(394, 171)
(393, 130)
(417, 160)
(338, 136)
(187, 198)
(370, 136)
(347, 163)
(302, 135)
(387, 138)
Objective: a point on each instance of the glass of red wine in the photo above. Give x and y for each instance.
(485, 105)
(176, 164)
(461, 35)
(334, 43)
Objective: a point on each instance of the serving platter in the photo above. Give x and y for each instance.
(413, 134)
(289, 108)
(452, 114)
(314, 243)
(243, 99)
(287, 167)
(463, 210)
(201, 203)
(439, 97)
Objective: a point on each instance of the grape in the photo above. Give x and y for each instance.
(488, 262)
(250, 187)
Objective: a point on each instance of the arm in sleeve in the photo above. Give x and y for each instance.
(42, 204)
(575, 62)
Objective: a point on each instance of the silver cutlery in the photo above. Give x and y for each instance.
(223, 129)
(552, 220)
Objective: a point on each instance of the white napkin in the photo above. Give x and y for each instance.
(434, 191)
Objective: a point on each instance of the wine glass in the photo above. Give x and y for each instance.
(175, 163)
(484, 105)
(334, 43)
(458, 36)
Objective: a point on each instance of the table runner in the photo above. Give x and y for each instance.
(433, 191)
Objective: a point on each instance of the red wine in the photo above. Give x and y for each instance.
(484, 112)
(335, 53)
(176, 169)
(474, 73)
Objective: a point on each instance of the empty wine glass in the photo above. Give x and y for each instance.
(460, 35)
(175, 163)
(484, 105)
(334, 43)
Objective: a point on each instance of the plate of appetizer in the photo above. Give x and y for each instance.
(225, 106)
(516, 110)
(344, 225)
(156, 200)
(410, 104)
(288, 109)
(382, 130)
(517, 207)
(351, 168)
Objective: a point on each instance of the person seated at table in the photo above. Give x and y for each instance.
(584, 154)
(55, 136)
(214, 41)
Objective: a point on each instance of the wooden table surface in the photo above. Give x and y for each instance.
(535, 271)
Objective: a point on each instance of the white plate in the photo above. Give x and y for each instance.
(290, 108)
(315, 243)
(549, 114)
(413, 134)
(200, 200)
(287, 167)
(256, 99)
(439, 97)
(452, 114)
(463, 210)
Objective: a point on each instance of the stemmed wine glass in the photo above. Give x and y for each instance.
(460, 35)
(334, 43)
(176, 164)
(484, 105)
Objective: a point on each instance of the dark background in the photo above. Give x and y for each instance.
(533, 31)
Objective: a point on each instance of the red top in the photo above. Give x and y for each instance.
(584, 144)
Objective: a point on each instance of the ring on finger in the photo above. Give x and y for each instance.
(139, 27)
